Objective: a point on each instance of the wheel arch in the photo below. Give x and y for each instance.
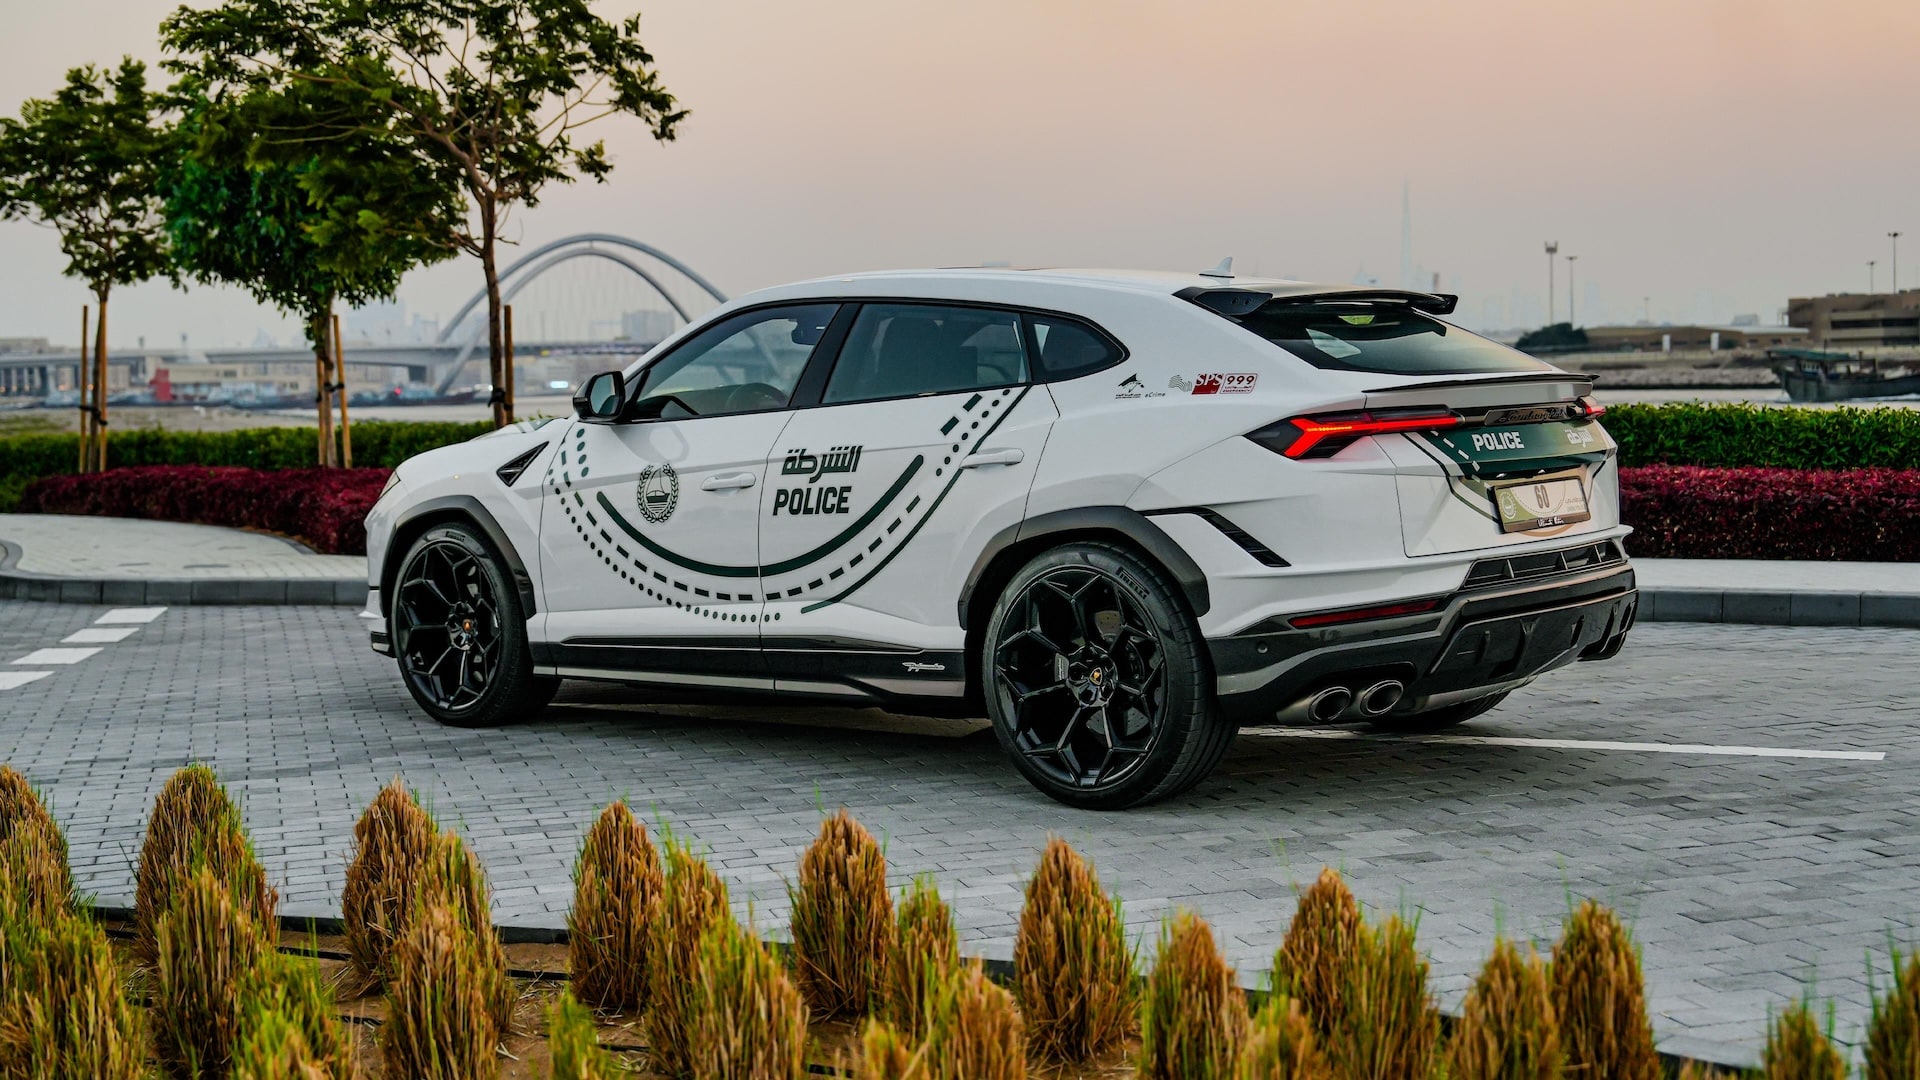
(447, 510)
(1012, 547)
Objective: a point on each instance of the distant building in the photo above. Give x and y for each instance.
(1858, 320)
(1659, 338)
(23, 345)
(647, 327)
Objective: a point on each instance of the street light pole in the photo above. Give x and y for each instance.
(1895, 237)
(1553, 248)
(1571, 296)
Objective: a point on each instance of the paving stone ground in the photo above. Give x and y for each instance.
(1747, 879)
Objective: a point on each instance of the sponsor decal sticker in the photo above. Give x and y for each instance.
(1183, 385)
(1131, 388)
(916, 668)
(1214, 382)
(658, 493)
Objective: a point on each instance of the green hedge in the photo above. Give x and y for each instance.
(1736, 436)
(26, 458)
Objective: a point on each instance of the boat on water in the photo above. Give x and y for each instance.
(1812, 375)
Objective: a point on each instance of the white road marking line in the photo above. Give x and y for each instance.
(12, 679)
(1579, 744)
(57, 656)
(95, 635)
(130, 615)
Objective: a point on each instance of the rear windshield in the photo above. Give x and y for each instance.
(1381, 337)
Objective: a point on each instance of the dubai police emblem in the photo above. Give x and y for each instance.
(658, 493)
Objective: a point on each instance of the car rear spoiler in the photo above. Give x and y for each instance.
(1234, 301)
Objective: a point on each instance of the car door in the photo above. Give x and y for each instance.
(922, 445)
(650, 530)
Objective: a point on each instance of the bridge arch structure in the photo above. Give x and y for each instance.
(524, 270)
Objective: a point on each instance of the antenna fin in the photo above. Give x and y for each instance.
(1224, 270)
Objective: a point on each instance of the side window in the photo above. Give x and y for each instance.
(747, 363)
(904, 350)
(1070, 349)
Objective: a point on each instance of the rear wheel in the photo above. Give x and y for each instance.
(1447, 716)
(1097, 680)
(460, 635)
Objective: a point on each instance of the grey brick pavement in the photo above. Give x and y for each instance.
(1746, 879)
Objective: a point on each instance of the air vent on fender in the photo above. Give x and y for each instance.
(512, 470)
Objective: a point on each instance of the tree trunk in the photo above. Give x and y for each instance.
(340, 380)
(80, 391)
(496, 354)
(317, 337)
(100, 387)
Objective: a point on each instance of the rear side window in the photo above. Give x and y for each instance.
(904, 350)
(1388, 338)
(1068, 349)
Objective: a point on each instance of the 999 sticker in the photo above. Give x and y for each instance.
(1214, 382)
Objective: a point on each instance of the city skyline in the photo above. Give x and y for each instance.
(1713, 157)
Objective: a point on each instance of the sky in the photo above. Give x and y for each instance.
(1702, 158)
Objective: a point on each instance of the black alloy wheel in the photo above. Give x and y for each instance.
(1097, 683)
(459, 635)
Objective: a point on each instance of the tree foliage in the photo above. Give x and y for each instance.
(492, 91)
(83, 162)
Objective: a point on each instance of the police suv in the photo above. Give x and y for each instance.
(1121, 514)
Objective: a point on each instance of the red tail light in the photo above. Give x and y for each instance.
(1591, 409)
(1383, 611)
(1326, 435)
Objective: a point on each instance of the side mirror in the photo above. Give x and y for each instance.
(599, 399)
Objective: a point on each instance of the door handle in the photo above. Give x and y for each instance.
(1011, 456)
(728, 481)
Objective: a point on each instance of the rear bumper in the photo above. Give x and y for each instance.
(1480, 641)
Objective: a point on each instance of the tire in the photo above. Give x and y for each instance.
(1426, 723)
(1088, 643)
(454, 604)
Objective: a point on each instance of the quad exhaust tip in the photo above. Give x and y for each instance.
(1380, 698)
(1327, 705)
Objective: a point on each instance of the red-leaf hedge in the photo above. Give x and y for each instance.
(324, 508)
(1689, 512)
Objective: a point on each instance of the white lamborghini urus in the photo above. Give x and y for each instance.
(1120, 514)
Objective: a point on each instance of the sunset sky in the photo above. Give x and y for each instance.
(1716, 156)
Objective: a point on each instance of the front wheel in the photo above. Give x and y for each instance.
(459, 633)
(1097, 681)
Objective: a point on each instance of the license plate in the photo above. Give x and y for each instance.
(1544, 502)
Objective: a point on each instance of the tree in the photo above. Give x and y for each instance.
(1559, 337)
(343, 220)
(493, 90)
(83, 163)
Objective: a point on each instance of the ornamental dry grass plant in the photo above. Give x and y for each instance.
(1893, 1032)
(441, 1001)
(1309, 964)
(694, 899)
(842, 920)
(287, 1024)
(617, 883)
(1193, 1016)
(747, 1020)
(1508, 1030)
(35, 882)
(1600, 998)
(1387, 1026)
(391, 844)
(64, 1015)
(925, 951)
(206, 944)
(195, 824)
(572, 1045)
(887, 1053)
(1281, 1045)
(1798, 1049)
(974, 1029)
(453, 877)
(1071, 961)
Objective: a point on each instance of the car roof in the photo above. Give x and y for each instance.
(1155, 282)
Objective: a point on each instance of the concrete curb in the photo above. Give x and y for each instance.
(174, 592)
(1785, 607)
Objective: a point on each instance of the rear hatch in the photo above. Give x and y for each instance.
(1514, 454)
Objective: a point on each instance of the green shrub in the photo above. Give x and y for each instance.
(747, 1020)
(694, 900)
(926, 948)
(287, 1027)
(1600, 998)
(1508, 1030)
(1789, 438)
(381, 443)
(616, 889)
(207, 945)
(1071, 961)
(195, 823)
(573, 1046)
(842, 920)
(1798, 1049)
(62, 1014)
(1282, 1045)
(392, 842)
(1893, 1033)
(1193, 1016)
